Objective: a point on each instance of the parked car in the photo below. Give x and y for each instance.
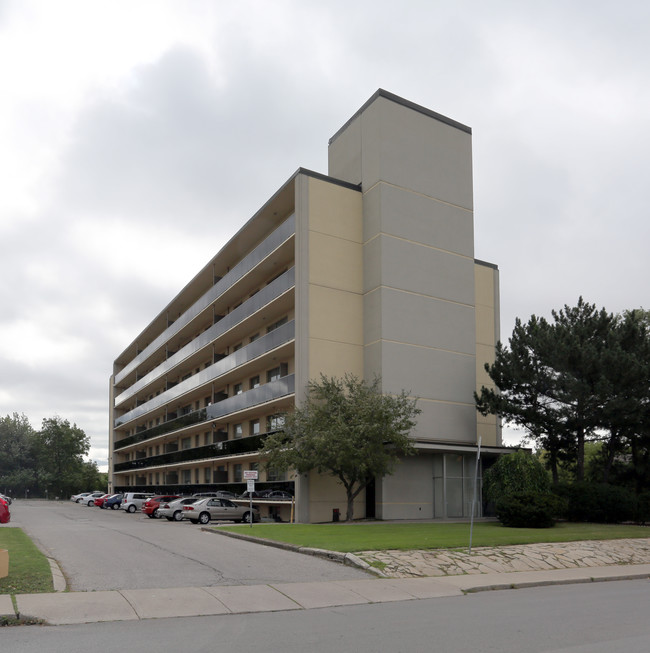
(99, 501)
(133, 501)
(277, 495)
(5, 514)
(221, 509)
(151, 505)
(173, 510)
(90, 499)
(78, 497)
(220, 494)
(7, 498)
(114, 501)
(248, 495)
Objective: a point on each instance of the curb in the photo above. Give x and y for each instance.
(348, 559)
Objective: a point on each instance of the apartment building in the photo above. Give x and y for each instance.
(369, 269)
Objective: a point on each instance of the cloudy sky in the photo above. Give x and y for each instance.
(137, 136)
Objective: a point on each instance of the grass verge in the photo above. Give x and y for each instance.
(29, 569)
(349, 538)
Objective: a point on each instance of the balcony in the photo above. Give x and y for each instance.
(217, 450)
(250, 261)
(263, 394)
(251, 306)
(250, 352)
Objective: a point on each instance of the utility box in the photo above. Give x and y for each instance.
(4, 563)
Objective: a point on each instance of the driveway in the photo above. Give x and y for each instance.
(110, 549)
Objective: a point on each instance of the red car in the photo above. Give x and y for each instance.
(150, 506)
(5, 515)
(99, 501)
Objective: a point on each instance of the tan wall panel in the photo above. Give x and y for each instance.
(335, 210)
(325, 494)
(335, 315)
(335, 262)
(334, 359)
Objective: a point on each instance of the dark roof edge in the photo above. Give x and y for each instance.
(406, 103)
(486, 264)
(327, 178)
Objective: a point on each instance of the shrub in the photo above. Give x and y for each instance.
(598, 502)
(515, 473)
(643, 508)
(526, 510)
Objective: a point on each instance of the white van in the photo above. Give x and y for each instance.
(133, 501)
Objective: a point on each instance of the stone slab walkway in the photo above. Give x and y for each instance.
(505, 559)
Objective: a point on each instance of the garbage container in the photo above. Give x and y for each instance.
(336, 514)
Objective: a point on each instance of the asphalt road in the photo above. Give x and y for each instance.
(110, 549)
(585, 618)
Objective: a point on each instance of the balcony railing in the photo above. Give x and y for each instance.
(264, 393)
(254, 350)
(275, 289)
(217, 450)
(272, 242)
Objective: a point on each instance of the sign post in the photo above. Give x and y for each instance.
(250, 476)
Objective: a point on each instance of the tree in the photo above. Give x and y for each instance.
(346, 428)
(60, 449)
(17, 461)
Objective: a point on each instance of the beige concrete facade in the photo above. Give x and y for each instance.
(369, 270)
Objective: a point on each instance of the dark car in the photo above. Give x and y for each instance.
(277, 495)
(150, 506)
(114, 502)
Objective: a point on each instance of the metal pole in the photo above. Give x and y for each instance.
(471, 527)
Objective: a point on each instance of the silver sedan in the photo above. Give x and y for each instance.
(220, 509)
(173, 510)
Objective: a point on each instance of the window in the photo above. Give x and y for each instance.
(254, 427)
(255, 382)
(278, 324)
(274, 422)
(277, 372)
(186, 443)
(237, 430)
(237, 473)
(238, 389)
(187, 476)
(273, 474)
(237, 347)
(255, 336)
(207, 475)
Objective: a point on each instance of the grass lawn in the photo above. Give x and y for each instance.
(29, 569)
(379, 536)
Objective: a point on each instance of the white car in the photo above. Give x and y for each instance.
(89, 499)
(173, 510)
(78, 497)
(133, 501)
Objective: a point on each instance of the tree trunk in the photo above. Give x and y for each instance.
(580, 455)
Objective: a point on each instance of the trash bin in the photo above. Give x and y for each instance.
(336, 514)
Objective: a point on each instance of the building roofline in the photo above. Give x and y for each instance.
(494, 266)
(405, 103)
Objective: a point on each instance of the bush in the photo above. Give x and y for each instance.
(515, 473)
(526, 510)
(598, 502)
(643, 508)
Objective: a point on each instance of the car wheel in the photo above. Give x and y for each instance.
(90, 503)
(246, 518)
(204, 517)
(155, 514)
(150, 515)
(131, 508)
(178, 516)
(115, 506)
(78, 501)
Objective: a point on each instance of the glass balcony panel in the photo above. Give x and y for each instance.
(256, 256)
(265, 296)
(268, 392)
(255, 349)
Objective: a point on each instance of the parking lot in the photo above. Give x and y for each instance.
(111, 549)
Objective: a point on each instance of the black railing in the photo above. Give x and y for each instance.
(187, 489)
(217, 450)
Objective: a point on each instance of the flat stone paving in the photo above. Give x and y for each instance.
(505, 559)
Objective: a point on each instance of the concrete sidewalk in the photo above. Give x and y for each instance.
(128, 605)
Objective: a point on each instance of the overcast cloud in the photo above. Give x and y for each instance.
(137, 137)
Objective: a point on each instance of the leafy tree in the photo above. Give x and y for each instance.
(17, 461)
(60, 448)
(346, 428)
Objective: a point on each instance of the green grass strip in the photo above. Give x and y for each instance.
(349, 538)
(29, 569)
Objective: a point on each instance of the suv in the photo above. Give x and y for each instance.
(133, 501)
(150, 506)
